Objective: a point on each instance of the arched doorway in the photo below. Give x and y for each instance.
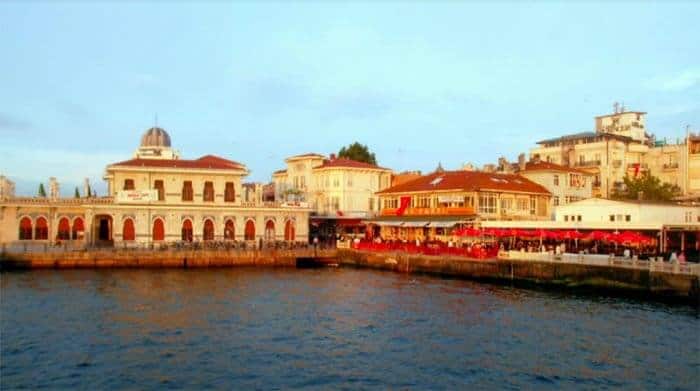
(270, 230)
(208, 231)
(128, 231)
(78, 229)
(103, 229)
(63, 229)
(25, 229)
(289, 232)
(158, 233)
(229, 230)
(249, 230)
(187, 230)
(41, 229)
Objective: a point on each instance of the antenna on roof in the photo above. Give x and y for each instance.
(616, 107)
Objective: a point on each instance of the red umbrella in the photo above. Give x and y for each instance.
(570, 234)
(629, 237)
(598, 235)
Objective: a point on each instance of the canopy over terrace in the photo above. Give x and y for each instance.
(670, 236)
(418, 227)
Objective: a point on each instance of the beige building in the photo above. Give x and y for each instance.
(566, 184)
(331, 186)
(621, 145)
(157, 197)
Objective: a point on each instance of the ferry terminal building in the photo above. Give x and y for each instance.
(156, 197)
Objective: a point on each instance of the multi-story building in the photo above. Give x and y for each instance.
(156, 197)
(432, 204)
(332, 186)
(621, 146)
(340, 192)
(566, 184)
(7, 188)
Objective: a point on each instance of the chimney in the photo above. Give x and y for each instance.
(521, 162)
(332, 157)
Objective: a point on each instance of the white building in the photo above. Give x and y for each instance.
(624, 214)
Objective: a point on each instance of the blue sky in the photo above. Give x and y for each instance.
(419, 82)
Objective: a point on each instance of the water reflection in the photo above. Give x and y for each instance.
(247, 328)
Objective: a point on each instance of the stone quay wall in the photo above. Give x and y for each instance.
(116, 258)
(595, 278)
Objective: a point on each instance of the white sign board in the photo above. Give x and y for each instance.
(136, 196)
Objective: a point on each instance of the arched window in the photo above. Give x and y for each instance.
(25, 229)
(128, 232)
(270, 230)
(187, 230)
(78, 229)
(249, 230)
(208, 231)
(41, 231)
(63, 229)
(229, 230)
(158, 230)
(289, 232)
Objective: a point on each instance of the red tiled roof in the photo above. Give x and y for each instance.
(204, 162)
(468, 181)
(342, 162)
(547, 166)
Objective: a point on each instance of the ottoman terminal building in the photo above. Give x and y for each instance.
(152, 198)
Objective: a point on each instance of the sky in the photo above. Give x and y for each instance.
(420, 83)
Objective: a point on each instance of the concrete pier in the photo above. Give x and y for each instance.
(603, 278)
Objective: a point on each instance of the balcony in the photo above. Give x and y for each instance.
(588, 163)
(671, 166)
(444, 211)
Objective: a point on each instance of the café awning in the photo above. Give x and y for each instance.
(443, 224)
(415, 224)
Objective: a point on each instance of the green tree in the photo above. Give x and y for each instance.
(357, 152)
(89, 192)
(77, 193)
(42, 191)
(646, 187)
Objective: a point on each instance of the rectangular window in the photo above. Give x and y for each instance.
(335, 201)
(506, 204)
(556, 201)
(612, 217)
(487, 203)
(578, 218)
(556, 180)
(208, 194)
(158, 185)
(230, 192)
(566, 217)
(533, 205)
(371, 203)
(128, 184)
(302, 182)
(187, 192)
(628, 218)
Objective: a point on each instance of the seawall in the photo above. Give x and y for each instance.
(595, 278)
(155, 259)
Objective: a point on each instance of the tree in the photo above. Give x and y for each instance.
(357, 152)
(89, 192)
(77, 193)
(646, 187)
(42, 191)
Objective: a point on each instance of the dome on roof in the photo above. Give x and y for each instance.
(155, 137)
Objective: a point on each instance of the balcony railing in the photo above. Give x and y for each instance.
(443, 211)
(670, 166)
(588, 163)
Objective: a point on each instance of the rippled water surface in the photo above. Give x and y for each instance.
(331, 328)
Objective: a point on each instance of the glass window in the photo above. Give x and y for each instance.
(230, 192)
(158, 185)
(187, 192)
(128, 184)
(208, 194)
